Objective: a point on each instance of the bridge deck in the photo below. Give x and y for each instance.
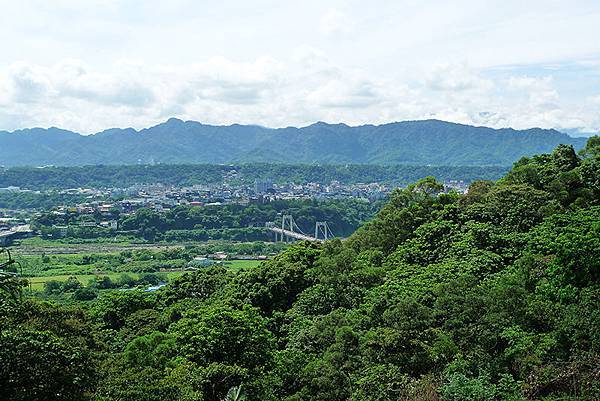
(294, 234)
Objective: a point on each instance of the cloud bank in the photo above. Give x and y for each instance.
(88, 67)
(271, 92)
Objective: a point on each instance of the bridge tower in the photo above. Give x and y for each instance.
(290, 230)
(287, 223)
(321, 227)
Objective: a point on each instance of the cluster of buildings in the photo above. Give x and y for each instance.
(456, 185)
(334, 190)
(106, 203)
(162, 197)
(10, 189)
(13, 228)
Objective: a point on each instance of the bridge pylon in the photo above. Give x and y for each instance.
(321, 227)
(287, 223)
(290, 231)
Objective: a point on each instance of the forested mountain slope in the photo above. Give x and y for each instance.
(428, 142)
(494, 295)
(190, 174)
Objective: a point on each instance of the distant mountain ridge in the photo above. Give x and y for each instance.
(425, 142)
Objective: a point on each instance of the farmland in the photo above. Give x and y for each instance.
(42, 262)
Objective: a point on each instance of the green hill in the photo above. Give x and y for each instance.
(429, 142)
(493, 295)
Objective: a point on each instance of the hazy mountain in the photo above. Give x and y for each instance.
(174, 141)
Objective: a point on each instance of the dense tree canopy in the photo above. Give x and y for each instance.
(190, 174)
(494, 295)
(227, 222)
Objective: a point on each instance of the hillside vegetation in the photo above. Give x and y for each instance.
(244, 174)
(229, 222)
(494, 295)
(428, 142)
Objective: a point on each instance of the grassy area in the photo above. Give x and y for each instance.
(237, 265)
(37, 282)
(39, 246)
(86, 263)
(93, 263)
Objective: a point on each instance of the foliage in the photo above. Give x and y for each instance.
(232, 222)
(427, 142)
(101, 176)
(46, 352)
(34, 200)
(490, 296)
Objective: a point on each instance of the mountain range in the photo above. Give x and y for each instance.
(425, 142)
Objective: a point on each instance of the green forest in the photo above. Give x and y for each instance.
(489, 296)
(35, 200)
(189, 174)
(212, 222)
(422, 142)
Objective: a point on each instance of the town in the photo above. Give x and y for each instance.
(103, 205)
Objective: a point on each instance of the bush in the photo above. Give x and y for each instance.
(71, 284)
(85, 294)
(53, 287)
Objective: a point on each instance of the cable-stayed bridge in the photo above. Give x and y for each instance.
(289, 230)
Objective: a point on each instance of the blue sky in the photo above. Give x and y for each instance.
(91, 65)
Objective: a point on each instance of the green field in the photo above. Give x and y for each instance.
(39, 246)
(36, 283)
(42, 261)
(237, 265)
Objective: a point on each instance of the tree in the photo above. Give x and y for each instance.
(46, 352)
(235, 394)
(11, 286)
(71, 284)
(85, 294)
(53, 287)
(490, 296)
(152, 350)
(225, 335)
(592, 147)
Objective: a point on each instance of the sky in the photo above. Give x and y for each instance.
(92, 65)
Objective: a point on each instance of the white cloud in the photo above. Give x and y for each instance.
(457, 78)
(27, 83)
(594, 100)
(527, 64)
(271, 92)
(346, 94)
(335, 22)
(540, 91)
